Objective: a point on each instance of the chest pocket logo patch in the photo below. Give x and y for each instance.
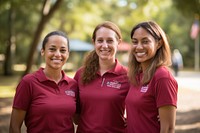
(114, 84)
(144, 89)
(70, 93)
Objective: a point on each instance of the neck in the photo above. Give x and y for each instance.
(54, 75)
(106, 65)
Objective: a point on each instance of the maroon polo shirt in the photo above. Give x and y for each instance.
(49, 106)
(102, 102)
(142, 102)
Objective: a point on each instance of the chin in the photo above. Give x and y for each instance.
(140, 60)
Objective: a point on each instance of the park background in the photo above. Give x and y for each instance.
(23, 24)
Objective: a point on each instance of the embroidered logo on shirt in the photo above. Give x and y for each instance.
(70, 93)
(144, 89)
(114, 84)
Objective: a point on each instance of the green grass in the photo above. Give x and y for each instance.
(8, 85)
(7, 91)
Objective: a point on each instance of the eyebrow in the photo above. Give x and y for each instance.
(141, 39)
(54, 45)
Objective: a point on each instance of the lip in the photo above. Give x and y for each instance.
(105, 51)
(57, 60)
(140, 54)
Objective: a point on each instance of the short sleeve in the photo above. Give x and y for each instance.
(166, 92)
(22, 96)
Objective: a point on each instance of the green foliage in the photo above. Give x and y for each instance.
(26, 16)
(188, 7)
(79, 17)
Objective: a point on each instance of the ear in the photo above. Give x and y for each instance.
(93, 41)
(67, 55)
(160, 43)
(119, 41)
(42, 52)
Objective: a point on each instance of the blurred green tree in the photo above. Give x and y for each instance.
(23, 22)
(46, 13)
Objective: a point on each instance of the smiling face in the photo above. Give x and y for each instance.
(106, 44)
(55, 52)
(144, 46)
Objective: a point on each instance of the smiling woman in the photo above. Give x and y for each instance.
(153, 90)
(102, 81)
(46, 89)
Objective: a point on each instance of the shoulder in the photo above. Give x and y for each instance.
(164, 80)
(29, 77)
(26, 83)
(80, 70)
(124, 70)
(163, 73)
(78, 73)
(37, 75)
(70, 80)
(120, 69)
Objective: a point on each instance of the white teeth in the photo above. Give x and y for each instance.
(140, 54)
(56, 60)
(104, 51)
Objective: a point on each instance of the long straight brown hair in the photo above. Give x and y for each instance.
(161, 58)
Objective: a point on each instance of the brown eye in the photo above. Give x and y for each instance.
(99, 41)
(109, 41)
(145, 42)
(63, 50)
(52, 49)
(134, 42)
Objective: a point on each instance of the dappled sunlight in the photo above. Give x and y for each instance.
(8, 85)
(19, 67)
(6, 91)
(5, 110)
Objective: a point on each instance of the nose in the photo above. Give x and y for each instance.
(57, 53)
(139, 46)
(104, 44)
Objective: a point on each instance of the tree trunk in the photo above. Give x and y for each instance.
(44, 19)
(10, 49)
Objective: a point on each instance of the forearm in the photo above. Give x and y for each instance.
(17, 118)
(14, 130)
(167, 130)
(171, 130)
(167, 116)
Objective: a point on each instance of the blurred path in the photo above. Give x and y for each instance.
(189, 90)
(189, 80)
(188, 110)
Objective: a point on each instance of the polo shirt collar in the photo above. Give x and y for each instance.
(42, 77)
(118, 69)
